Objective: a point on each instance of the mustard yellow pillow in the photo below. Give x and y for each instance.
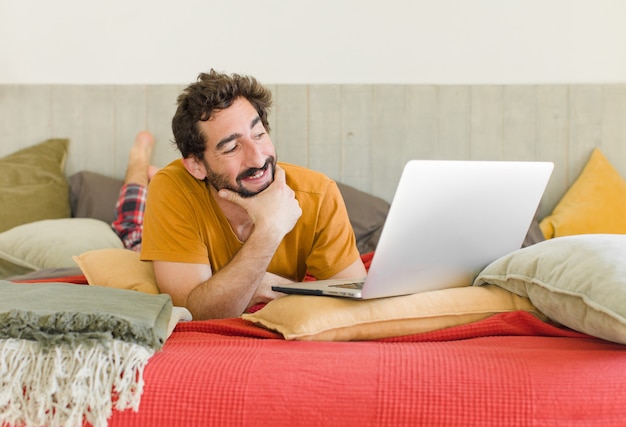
(117, 268)
(595, 202)
(316, 318)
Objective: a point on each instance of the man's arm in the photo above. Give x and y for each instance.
(356, 269)
(225, 294)
(265, 293)
(231, 290)
(220, 287)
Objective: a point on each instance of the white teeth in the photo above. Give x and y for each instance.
(257, 175)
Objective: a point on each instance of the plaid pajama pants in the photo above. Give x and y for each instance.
(129, 215)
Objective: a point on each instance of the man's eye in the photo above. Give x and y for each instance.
(230, 150)
(260, 135)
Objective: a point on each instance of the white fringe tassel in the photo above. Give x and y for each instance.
(68, 385)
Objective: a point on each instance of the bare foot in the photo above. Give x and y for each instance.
(139, 169)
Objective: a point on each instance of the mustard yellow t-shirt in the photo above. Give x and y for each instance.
(183, 223)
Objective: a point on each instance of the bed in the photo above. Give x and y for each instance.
(537, 339)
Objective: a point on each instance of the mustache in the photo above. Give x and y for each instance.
(253, 171)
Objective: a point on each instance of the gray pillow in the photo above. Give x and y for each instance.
(93, 195)
(578, 281)
(534, 235)
(367, 215)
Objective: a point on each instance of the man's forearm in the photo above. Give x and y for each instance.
(229, 292)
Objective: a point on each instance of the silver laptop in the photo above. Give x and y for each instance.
(447, 221)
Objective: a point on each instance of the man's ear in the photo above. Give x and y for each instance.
(195, 167)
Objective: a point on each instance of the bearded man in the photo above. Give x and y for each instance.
(227, 221)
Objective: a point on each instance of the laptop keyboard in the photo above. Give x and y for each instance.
(353, 285)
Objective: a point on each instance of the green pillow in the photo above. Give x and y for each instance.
(33, 185)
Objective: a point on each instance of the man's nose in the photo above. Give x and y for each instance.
(255, 157)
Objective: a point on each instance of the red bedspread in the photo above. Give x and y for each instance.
(507, 370)
(510, 369)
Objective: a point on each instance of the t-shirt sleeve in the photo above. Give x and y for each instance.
(334, 246)
(170, 232)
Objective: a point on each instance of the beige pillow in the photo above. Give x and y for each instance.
(578, 281)
(33, 184)
(117, 268)
(316, 318)
(51, 243)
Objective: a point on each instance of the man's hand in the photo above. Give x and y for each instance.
(264, 292)
(274, 209)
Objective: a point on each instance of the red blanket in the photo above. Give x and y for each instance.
(515, 323)
(510, 369)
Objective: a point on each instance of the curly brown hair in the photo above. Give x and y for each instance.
(212, 92)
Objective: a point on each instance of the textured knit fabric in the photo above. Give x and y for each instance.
(61, 312)
(129, 215)
(183, 223)
(71, 354)
(508, 370)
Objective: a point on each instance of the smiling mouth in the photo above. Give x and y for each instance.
(255, 179)
(255, 174)
(252, 175)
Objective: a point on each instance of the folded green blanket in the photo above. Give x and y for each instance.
(51, 313)
(70, 354)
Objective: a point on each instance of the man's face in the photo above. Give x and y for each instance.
(239, 155)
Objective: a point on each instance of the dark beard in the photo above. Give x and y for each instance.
(219, 182)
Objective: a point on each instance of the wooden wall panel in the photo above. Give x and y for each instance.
(160, 106)
(389, 138)
(291, 108)
(453, 122)
(358, 134)
(614, 125)
(551, 136)
(519, 123)
(421, 122)
(85, 114)
(25, 116)
(130, 117)
(585, 126)
(325, 129)
(487, 115)
(9, 121)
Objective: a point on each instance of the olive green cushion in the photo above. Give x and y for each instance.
(33, 185)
